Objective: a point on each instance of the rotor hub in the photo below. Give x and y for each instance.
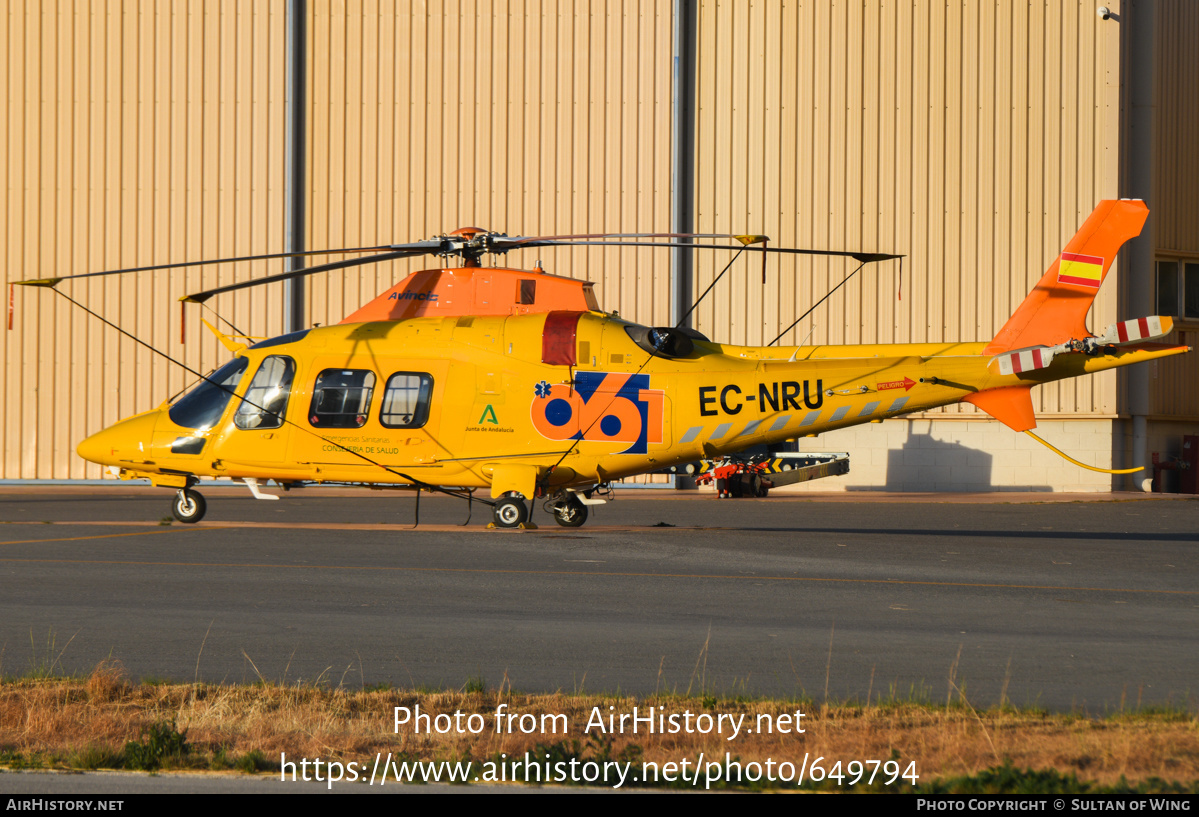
(470, 244)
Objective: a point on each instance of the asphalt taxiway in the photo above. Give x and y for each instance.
(1039, 601)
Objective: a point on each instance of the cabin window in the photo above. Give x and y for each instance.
(202, 407)
(406, 400)
(341, 398)
(265, 402)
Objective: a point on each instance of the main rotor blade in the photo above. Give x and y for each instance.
(201, 297)
(428, 246)
(522, 240)
(863, 257)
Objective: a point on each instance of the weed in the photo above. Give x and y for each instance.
(917, 695)
(1007, 779)
(156, 680)
(476, 684)
(17, 761)
(46, 660)
(600, 747)
(701, 661)
(220, 760)
(96, 757)
(107, 683)
(1160, 713)
(252, 762)
(161, 743)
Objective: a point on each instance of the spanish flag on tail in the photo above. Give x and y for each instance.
(1080, 270)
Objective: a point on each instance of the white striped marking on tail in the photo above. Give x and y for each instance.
(1025, 360)
(1039, 357)
(1137, 329)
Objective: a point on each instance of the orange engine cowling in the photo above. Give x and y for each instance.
(479, 291)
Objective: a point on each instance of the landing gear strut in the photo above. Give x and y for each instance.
(189, 506)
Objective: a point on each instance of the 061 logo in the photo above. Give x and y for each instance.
(605, 407)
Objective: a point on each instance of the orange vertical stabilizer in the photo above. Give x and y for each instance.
(1056, 310)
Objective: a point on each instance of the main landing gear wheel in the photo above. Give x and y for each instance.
(570, 512)
(189, 506)
(511, 512)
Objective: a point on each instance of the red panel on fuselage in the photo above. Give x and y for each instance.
(558, 339)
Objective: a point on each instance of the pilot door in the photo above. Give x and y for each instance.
(259, 434)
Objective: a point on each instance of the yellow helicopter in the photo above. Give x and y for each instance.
(516, 381)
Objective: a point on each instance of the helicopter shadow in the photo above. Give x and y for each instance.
(924, 463)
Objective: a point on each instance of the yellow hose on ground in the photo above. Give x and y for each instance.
(1084, 465)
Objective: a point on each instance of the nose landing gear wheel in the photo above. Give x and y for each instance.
(189, 506)
(511, 512)
(570, 513)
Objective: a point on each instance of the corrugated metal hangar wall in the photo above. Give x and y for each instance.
(971, 137)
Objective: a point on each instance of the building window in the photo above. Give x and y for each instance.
(406, 400)
(265, 402)
(1178, 288)
(341, 398)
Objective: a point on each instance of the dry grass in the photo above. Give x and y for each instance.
(66, 722)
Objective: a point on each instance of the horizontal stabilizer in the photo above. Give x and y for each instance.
(1151, 328)
(1118, 334)
(1025, 360)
